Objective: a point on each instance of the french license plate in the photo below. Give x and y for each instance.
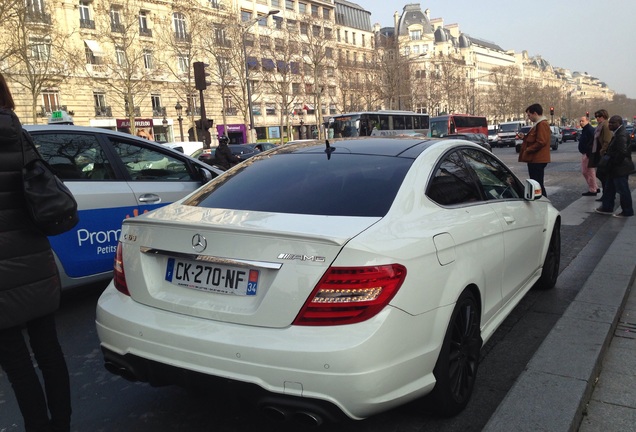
(212, 277)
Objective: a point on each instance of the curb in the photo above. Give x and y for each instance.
(552, 392)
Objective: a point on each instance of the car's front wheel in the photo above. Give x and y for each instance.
(552, 261)
(456, 367)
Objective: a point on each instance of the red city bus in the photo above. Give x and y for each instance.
(457, 123)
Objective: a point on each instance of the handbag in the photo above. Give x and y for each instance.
(602, 169)
(49, 202)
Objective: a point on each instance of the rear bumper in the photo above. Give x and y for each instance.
(358, 370)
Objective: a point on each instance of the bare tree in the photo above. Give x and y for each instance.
(280, 71)
(126, 66)
(183, 36)
(35, 50)
(231, 46)
(315, 40)
(504, 91)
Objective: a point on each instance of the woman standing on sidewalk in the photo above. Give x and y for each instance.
(29, 293)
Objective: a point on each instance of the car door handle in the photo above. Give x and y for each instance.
(150, 198)
(509, 219)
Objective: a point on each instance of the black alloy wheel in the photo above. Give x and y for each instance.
(456, 367)
(552, 261)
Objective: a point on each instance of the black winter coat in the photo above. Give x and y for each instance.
(586, 140)
(29, 281)
(619, 153)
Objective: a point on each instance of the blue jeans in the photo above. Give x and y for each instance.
(618, 185)
(535, 171)
(16, 361)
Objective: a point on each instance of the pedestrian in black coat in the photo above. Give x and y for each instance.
(29, 293)
(586, 144)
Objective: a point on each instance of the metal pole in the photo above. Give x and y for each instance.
(180, 119)
(247, 82)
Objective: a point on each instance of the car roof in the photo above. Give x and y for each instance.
(378, 146)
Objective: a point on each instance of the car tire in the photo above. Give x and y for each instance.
(458, 361)
(552, 261)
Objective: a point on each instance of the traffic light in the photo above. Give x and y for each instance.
(551, 110)
(199, 75)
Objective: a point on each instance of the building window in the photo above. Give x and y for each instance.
(120, 56)
(246, 15)
(270, 109)
(314, 11)
(302, 7)
(157, 110)
(85, 15)
(40, 48)
(346, 36)
(278, 23)
(183, 63)
(179, 22)
(50, 101)
(275, 3)
(289, 5)
(115, 20)
(148, 63)
(329, 53)
(326, 14)
(415, 34)
(143, 24)
(219, 36)
(216, 4)
(328, 33)
(353, 38)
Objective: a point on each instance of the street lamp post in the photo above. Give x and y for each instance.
(246, 25)
(179, 109)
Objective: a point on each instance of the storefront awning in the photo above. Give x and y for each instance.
(94, 47)
(308, 107)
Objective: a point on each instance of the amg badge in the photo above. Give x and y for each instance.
(288, 256)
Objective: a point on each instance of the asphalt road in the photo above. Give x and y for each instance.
(104, 402)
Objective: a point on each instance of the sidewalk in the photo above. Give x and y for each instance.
(560, 389)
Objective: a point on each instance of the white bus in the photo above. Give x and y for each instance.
(374, 123)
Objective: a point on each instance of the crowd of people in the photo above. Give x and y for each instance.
(605, 157)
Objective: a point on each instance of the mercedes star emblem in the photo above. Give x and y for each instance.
(199, 243)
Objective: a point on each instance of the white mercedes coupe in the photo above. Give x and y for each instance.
(331, 279)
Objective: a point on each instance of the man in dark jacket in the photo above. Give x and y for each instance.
(619, 166)
(586, 141)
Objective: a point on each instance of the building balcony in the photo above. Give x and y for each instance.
(158, 111)
(193, 111)
(117, 28)
(144, 31)
(182, 38)
(46, 111)
(37, 17)
(230, 111)
(87, 24)
(103, 111)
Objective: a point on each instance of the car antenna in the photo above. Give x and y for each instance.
(328, 149)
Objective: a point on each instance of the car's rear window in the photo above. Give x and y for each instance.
(341, 185)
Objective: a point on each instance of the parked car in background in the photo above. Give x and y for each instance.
(313, 295)
(262, 146)
(242, 151)
(633, 139)
(493, 136)
(508, 133)
(569, 133)
(555, 137)
(113, 176)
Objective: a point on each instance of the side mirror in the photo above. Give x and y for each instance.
(532, 190)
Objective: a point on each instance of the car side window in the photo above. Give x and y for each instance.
(148, 164)
(74, 156)
(496, 181)
(453, 183)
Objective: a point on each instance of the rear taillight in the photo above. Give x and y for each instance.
(347, 295)
(119, 278)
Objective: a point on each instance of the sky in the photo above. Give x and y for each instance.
(597, 37)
